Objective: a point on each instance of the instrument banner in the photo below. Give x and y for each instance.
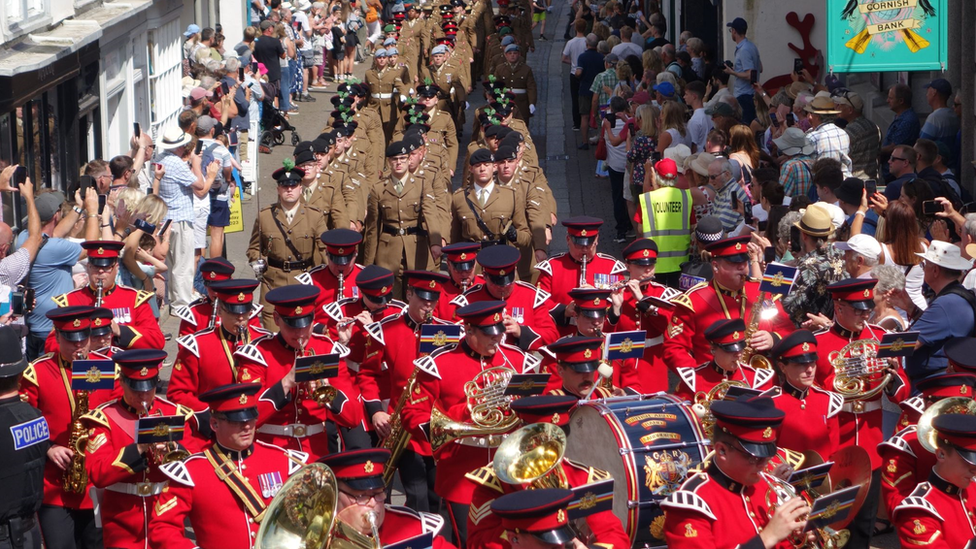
(778, 279)
(315, 367)
(659, 303)
(811, 476)
(897, 344)
(91, 375)
(592, 498)
(624, 345)
(150, 430)
(735, 391)
(423, 541)
(435, 336)
(831, 508)
(524, 385)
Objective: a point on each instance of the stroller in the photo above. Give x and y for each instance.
(274, 126)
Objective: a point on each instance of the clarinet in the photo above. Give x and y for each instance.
(342, 285)
(582, 279)
(99, 292)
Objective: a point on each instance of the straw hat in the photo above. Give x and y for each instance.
(821, 105)
(816, 221)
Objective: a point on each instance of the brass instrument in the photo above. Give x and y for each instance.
(748, 354)
(172, 451)
(703, 403)
(532, 455)
(856, 366)
(489, 408)
(304, 515)
(926, 433)
(99, 293)
(825, 538)
(321, 392)
(74, 479)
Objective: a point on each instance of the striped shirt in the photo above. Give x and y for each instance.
(722, 205)
(175, 188)
(14, 267)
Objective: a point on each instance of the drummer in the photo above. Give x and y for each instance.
(576, 361)
(485, 528)
(940, 512)
(726, 340)
(811, 412)
(726, 506)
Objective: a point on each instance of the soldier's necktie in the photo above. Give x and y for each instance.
(398, 187)
(307, 194)
(482, 197)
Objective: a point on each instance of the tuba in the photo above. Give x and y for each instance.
(303, 515)
(749, 355)
(926, 433)
(856, 369)
(532, 455)
(489, 408)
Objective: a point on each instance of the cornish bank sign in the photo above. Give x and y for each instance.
(887, 35)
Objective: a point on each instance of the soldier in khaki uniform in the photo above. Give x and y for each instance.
(428, 166)
(520, 80)
(536, 205)
(353, 98)
(357, 175)
(441, 126)
(321, 194)
(493, 44)
(446, 76)
(501, 210)
(411, 39)
(286, 238)
(384, 83)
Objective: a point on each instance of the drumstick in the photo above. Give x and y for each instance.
(606, 372)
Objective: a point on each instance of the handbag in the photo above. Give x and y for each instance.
(601, 146)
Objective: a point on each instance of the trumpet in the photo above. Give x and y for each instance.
(99, 293)
(323, 394)
(370, 519)
(170, 451)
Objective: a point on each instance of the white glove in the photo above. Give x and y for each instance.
(467, 105)
(531, 109)
(549, 9)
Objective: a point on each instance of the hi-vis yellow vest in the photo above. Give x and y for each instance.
(664, 219)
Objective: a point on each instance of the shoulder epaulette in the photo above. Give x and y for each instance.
(688, 376)
(917, 500)
(544, 267)
(296, 460)
(143, 296)
(251, 352)
(60, 300)
(916, 403)
(683, 300)
(189, 342)
(836, 404)
(30, 374)
(185, 314)
(541, 297)
(334, 310)
(306, 278)
(177, 471)
(97, 416)
(898, 442)
(762, 376)
(460, 300)
(375, 330)
(485, 476)
(531, 363)
(689, 501)
(426, 364)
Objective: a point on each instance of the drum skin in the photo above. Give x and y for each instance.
(648, 444)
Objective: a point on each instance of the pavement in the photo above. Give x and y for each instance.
(571, 173)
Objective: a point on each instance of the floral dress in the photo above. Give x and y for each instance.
(639, 153)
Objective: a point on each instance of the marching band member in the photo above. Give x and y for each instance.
(811, 412)
(127, 474)
(101, 333)
(860, 419)
(589, 307)
(385, 373)
(338, 274)
(726, 505)
(134, 326)
(727, 339)
(224, 489)
(574, 360)
(961, 352)
(460, 267)
(197, 314)
(362, 491)
(536, 519)
(562, 273)
(289, 415)
(526, 320)
(206, 359)
(632, 312)
(442, 380)
(485, 528)
(904, 462)
(940, 513)
(731, 294)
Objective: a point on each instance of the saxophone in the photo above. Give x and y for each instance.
(748, 354)
(75, 479)
(397, 442)
(98, 293)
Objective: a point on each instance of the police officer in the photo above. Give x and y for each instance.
(285, 237)
(666, 213)
(727, 339)
(698, 268)
(486, 212)
(24, 441)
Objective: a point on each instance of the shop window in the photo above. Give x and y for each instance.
(19, 12)
(165, 75)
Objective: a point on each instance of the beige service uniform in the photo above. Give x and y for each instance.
(453, 87)
(504, 207)
(411, 42)
(325, 196)
(384, 86)
(370, 130)
(292, 249)
(518, 77)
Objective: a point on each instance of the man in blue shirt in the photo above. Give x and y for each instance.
(950, 315)
(588, 65)
(746, 61)
(942, 125)
(901, 166)
(849, 199)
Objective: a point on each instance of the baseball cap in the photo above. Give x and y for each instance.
(199, 93)
(739, 24)
(861, 244)
(941, 85)
(720, 109)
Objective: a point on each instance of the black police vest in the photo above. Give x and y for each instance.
(23, 449)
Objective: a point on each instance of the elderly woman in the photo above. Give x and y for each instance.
(783, 253)
(890, 278)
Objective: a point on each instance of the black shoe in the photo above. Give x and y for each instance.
(308, 98)
(584, 147)
(542, 38)
(620, 239)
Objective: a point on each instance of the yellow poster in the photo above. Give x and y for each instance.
(236, 214)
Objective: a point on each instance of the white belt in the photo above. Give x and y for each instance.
(655, 341)
(382, 96)
(859, 407)
(519, 91)
(296, 430)
(141, 489)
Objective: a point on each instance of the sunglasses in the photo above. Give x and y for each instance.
(893, 158)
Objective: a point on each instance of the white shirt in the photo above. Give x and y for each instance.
(486, 191)
(574, 47)
(723, 94)
(698, 128)
(623, 49)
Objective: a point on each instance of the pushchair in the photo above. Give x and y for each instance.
(274, 125)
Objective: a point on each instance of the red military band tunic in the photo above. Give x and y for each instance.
(294, 420)
(936, 515)
(485, 528)
(811, 420)
(860, 421)
(704, 378)
(443, 376)
(328, 284)
(129, 484)
(138, 328)
(205, 360)
(402, 524)
(711, 510)
(645, 316)
(221, 512)
(702, 305)
(904, 464)
(560, 274)
(445, 309)
(47, 386)
(198, 314)
(527, 304)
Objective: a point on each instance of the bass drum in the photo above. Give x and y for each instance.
(648, 444)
